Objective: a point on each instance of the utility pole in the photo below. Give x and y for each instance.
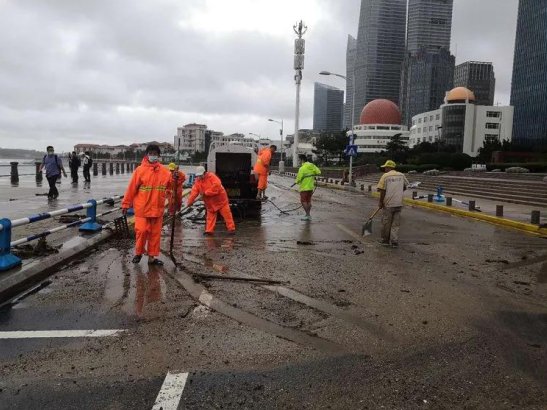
(299, 50)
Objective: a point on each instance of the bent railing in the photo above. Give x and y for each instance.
(88, 224)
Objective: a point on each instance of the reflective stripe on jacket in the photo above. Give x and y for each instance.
(147, 190)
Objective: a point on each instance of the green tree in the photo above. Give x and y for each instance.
(487, 149)
(331, 145)
(397, 149)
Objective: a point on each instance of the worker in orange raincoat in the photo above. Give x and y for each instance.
(146, 193)
(208, 185)
(262, 169)
(177, 178)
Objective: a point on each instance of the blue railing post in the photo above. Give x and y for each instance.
(91, 226)
(7, 260)
(130, 212)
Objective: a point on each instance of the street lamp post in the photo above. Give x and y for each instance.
(299, 50)
(350, 177)
(281, 162)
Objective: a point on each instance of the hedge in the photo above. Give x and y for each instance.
(532, 166)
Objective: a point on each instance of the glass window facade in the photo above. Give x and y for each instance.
(529, 85)
(380, 51)
(478, 77)
(453, 130)
(328, 107)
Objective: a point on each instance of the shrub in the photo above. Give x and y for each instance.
(531, 166)
(517, 170)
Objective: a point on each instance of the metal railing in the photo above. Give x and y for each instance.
(88, 224)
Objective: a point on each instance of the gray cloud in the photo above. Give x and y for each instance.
(105, 72)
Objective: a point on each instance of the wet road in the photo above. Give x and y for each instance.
(445, 321)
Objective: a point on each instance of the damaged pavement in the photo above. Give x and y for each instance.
(291, 314)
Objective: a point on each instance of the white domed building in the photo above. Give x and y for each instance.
(380, 120)
(461, 123)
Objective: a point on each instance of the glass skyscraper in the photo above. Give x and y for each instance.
(428, 67)
(380, 51)
(351, 53)
(529, 86)
(478, 77)
(328, 108)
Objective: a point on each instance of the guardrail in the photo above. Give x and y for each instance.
(88, 224)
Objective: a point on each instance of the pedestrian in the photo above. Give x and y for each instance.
(146, 193)
(262, 169)
(74, 163)
(306, 181)
(391, 187)
(88, 162)
(176, 187)
(54, 167)
(209, 186)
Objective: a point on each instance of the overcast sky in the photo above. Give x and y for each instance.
(120, 71)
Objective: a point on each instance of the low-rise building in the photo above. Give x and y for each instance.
(459, 122)
(379, 122)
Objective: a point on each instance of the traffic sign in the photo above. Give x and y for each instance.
(351, 150)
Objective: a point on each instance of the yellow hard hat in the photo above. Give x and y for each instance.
(389, 164)
(172, 166)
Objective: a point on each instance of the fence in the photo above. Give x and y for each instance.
(106, 166)
(88, 224)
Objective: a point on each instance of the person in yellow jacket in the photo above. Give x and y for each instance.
(306, 181)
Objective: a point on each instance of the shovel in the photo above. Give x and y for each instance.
(367, 226)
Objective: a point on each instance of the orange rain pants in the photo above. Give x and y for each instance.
(226, 214)
(262, 167)
(148, 235)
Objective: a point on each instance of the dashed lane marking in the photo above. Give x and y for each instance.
(41, 334)
(171, 391)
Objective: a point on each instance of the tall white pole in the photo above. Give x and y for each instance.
(352, 125)
(299, 50)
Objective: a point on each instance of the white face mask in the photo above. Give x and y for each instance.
(153, 158)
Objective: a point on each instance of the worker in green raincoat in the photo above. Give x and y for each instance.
(306, 181)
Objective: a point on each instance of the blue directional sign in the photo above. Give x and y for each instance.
(351, 150)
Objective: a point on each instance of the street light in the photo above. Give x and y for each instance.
(352, 114)
(281, 162)
(256, 135)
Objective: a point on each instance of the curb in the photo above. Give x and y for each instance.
(16, 281)
(507, 223)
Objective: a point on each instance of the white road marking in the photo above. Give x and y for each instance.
(38, 334)
(171, 391)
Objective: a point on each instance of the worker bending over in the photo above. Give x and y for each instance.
(262, 169)
(208, 185)
(146, 194)
(391, 187)
(175, 188)
(306, 181)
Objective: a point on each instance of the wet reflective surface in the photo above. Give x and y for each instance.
(455, 317)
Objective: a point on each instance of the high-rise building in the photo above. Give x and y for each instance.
(328, 108)
(426, 77)
(428, 68)
(529, 87)
(191, 138)
(478, 77)
(351, 53)
(380, 51)
(429, 24)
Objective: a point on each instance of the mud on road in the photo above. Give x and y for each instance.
(454, 318)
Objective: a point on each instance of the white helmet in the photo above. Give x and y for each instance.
(200, 171)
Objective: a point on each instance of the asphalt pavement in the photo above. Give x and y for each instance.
(453, 318)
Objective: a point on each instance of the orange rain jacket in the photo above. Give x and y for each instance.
(262, 165)
(147, 190)
(211, 189)
(180, 182)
